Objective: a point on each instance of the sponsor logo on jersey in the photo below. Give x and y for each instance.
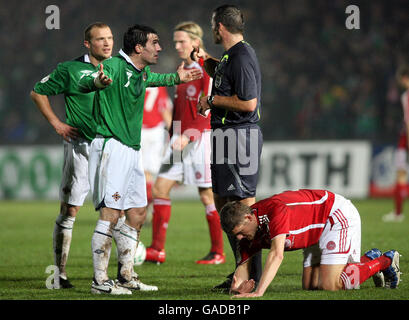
(45, 79)
(84, 73)
(263, 219)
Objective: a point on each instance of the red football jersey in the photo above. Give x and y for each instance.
(185, 103)
(156, 101)
(300, 215)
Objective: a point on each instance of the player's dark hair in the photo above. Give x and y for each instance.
(231, 17)
(232, 214)
(137, 34)
(87, 31)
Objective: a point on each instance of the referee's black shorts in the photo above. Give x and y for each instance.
(235, 161)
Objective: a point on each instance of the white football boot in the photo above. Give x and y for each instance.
(108, 287)
(135, 284)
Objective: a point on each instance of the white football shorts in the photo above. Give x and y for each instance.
(116, 175)
(340, 241)
(74, 185)
(152, 147)
(192, 165)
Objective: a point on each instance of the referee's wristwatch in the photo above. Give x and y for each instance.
(210, 100)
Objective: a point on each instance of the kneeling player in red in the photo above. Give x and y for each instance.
(325, 225)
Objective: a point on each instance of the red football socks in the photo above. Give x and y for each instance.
(399, 196)
(356, 273)
(215, 229)
(160, 220)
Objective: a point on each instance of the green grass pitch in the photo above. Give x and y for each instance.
(26, 251)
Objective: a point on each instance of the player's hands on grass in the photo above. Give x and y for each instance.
(67, 132)
(102, 80)
(247, 295)
(247, 286)
(186, 75)
(203, 106)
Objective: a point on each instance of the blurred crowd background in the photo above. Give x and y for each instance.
(320, 80)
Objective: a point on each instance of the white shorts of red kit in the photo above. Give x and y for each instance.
(340, 241)
(192, 165)
(152, 147)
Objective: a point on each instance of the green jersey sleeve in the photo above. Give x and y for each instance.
(55, 83)
(162, 79)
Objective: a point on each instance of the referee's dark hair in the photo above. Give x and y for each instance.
(137, 34)
(231, 17)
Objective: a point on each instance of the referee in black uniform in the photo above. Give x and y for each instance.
(235, 111)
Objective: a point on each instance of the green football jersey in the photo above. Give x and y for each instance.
(78, 105)
(118, 108)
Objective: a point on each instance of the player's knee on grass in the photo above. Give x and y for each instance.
(330, 277)
(310, 278)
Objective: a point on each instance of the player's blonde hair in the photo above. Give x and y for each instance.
(194, 31)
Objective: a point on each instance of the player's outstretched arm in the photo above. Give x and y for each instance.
(43, 104)
(186, 75)
(273, 262)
